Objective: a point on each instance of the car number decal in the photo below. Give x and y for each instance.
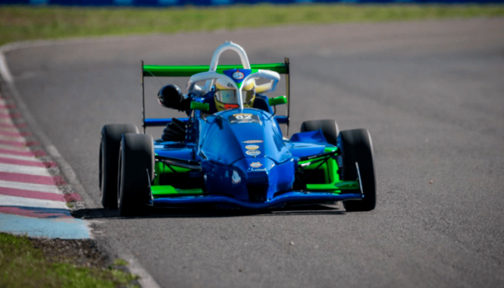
(244, 118)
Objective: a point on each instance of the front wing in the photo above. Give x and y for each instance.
(276, 202)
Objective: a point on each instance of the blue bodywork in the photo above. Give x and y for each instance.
(242, 160)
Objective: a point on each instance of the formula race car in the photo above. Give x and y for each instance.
(230, 152)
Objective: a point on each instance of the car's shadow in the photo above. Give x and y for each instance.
(206, 212)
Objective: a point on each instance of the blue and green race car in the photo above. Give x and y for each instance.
(230, 151)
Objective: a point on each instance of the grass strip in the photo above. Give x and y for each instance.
(22, 265)
(50, 22)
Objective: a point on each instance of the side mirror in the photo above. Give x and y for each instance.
(170, 96)
(277, 100)
(200, 106)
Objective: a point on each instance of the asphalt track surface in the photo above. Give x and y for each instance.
(430, 93)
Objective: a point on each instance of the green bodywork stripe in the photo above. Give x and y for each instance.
(167, 190)
(189, 70)
(342, 185)
(333, 182)
(330, 167)
(161, 168)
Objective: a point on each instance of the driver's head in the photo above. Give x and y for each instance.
(226, 97)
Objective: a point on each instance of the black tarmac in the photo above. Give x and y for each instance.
(430, 93)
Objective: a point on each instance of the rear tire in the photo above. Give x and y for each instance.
(356, 146)
(329, 129)
(136, 168)
(109, 155)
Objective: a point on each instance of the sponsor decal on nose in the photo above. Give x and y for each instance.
(252, 147)
(255, 164)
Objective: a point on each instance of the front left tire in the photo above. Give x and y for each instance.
(136, 172)
(111, 136)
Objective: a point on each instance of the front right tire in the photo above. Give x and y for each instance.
(356, 147)
(328, 127)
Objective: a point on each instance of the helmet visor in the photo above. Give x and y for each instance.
(227, 96)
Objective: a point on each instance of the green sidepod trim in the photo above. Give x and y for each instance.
(342, 185)
(189, 70)
(330, 167)
(161, 168)
(159, 191)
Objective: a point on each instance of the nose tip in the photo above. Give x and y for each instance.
(257, 186)
(258, 181)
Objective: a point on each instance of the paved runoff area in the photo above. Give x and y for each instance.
(34, 197)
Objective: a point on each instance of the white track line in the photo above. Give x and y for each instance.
(30, 186)
(24, 170)
(6, 200)
(4, 70)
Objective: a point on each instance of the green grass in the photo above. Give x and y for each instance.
(21, 265)
(28, 23)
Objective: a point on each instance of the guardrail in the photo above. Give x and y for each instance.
(165, 3)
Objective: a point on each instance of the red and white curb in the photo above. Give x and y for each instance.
(43, 213)
(32, 198)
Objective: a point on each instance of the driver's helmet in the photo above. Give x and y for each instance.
(226, 96)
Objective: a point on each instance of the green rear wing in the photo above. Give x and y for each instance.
(189, 70)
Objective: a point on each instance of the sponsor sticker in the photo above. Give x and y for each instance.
(253, 141)
(255, 164)
(230, 106)
(240, 118)
(256, 169)
(252, 147)
(235, 178)
(252, 152)
(238, 75)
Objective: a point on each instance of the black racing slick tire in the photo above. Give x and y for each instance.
(356, 147)
(329, 129)
(109, 155)
(136, 171)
